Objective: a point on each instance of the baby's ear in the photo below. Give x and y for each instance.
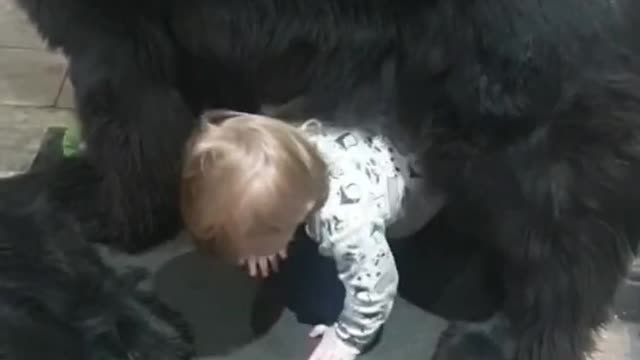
(312, 127)
(198, 156)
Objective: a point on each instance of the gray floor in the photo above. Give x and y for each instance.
(216, 298)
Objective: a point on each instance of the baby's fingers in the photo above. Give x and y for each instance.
(318, 330)
(273, 260)
(253, 267)
(264, 266)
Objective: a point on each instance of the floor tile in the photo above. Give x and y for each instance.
(21, 131)
(15, 28)
(30, 77)
(65, 99)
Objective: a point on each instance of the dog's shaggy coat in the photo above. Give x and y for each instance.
(58, 301)
(526, 112)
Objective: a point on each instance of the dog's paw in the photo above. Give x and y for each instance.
(462, 341)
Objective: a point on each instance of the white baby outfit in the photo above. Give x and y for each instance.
(375, 193)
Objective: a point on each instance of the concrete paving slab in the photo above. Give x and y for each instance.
(21, 131)
(30, 77)
(15, 28)
(65, 99)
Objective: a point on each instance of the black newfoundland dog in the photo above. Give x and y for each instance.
(58, 301)
(526, 113)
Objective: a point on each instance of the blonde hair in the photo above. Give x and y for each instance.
(245, 177)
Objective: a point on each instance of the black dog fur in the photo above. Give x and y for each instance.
(526, 112)
(58, 301)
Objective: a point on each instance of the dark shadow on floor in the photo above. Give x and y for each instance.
(441, 270)
(216, 300)
(439, 276)
(213, 297)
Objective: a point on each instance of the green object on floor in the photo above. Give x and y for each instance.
(72, 141)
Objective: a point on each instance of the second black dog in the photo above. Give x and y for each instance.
(58, 301)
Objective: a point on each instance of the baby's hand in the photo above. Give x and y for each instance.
(331, 347)
(265, 265)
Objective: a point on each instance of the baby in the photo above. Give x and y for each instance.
(249, 181)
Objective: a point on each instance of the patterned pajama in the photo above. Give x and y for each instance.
(375, 192)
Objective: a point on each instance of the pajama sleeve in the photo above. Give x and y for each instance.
(367, 268)
(349, 231)
(350, 228)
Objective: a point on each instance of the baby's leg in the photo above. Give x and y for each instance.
(308, 284)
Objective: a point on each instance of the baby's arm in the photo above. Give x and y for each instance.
(367, 268)
(350, 228)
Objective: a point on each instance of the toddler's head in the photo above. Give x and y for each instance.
(248, 182)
